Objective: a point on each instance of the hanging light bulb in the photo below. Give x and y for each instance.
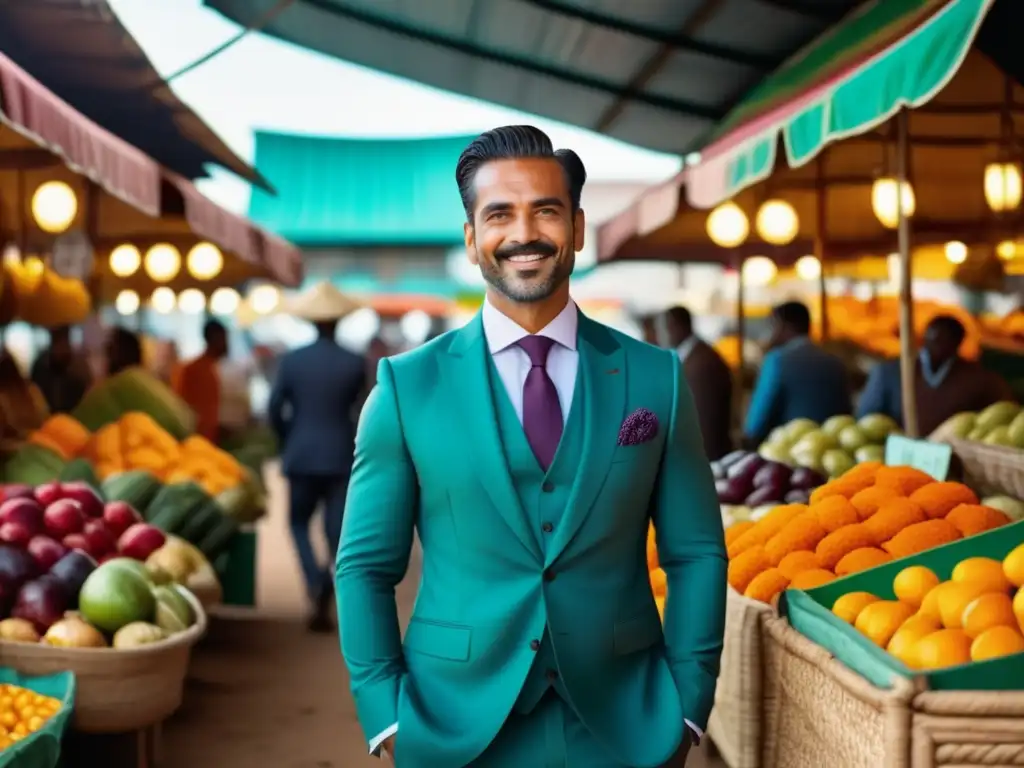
(956, 252)
(808, 268)
(777, 222)
(264, 299)
(204, 261)
(727, 226)
(127, 303)
(54, 206)
(163, 262)
(191, 301)
(884, 195)
(125, 260)
(1002, 186)
(163, 300)
(1006, 250)
(224, 301)
(759, 271)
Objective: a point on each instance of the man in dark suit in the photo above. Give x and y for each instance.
(709, 378)
(313, 412)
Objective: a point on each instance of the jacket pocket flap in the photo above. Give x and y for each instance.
(637, 633)
(445, 641)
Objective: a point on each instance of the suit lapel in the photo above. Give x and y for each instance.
(465, 376)
(603, 369)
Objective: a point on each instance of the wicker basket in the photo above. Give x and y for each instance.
(988, 469)
(821, 713)
(118, 690)
(736, 721)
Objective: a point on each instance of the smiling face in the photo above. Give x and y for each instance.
(524, 235)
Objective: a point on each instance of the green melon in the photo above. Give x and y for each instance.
(32, 465)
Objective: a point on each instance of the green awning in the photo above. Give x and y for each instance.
(360, 192)
(893, 54)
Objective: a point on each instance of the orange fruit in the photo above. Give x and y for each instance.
(660, 603)
(913, 583)
(910, 632)
(1013, 566)
(954, 598)
(993, 609)
(981, 570)
(849, 606)
(879, 621)
(1018, 608)
(945, 648)
(996, 642)
(930, 604)
(659, 582)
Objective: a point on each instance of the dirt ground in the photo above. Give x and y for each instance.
(263, 691)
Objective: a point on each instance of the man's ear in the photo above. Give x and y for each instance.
(469, 234)
(579, 225)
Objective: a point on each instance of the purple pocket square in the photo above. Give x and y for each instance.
(639, 427)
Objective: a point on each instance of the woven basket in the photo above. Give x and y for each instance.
(736, 720)
(118, 690)
(988, 469)
(822, 713)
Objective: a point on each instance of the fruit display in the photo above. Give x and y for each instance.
(1000, 424)
(659, 581)
(135, 389)
(23, 712)
(748, 479)
(831, 448)
(44, 298)
(976, 614)
(870, 515)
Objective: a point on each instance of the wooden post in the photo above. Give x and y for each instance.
(908, 352)
(821, 210)
(739, 387)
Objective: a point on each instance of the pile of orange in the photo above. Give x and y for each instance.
(867, 517)
(976, 615)
(659, 581)
(23, 712)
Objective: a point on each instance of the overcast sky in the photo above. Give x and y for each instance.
(263, 83)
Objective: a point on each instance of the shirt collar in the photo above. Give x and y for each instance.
(684, 349)
(798, 341)
(934, 377)
(502, 332)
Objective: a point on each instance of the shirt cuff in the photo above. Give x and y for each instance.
(697, 732)
(381, 737)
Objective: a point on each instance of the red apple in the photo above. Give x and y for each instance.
(16, 534)
(64, 517)
(83, 493)
(140, 541)
(24, 511)
(16, 492)
(101, 541)
(76, 541)
(45, 551)
(48, 493)
(120, 516)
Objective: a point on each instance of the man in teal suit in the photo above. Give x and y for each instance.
(530, 450)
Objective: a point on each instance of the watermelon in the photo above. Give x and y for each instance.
(217, 540)
(136, 487)
(172, 507)
(200, 521)
(98, 408)
(81, 470)
(135, 390)
(33, 465)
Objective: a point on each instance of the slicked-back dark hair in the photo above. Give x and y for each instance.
(949, 325)
(212, 329)
(681, 316)
(794, 315)
(512, 142)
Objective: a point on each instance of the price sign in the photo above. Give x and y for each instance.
(932, 458)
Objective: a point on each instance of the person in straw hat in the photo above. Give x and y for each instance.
(312, 410)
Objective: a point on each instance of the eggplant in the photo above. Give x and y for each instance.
(767, 494)
(71, 571)
(731, 491)
(773, 473)
(798, 496)
(16, 567)
(42, 602)
(805, 479)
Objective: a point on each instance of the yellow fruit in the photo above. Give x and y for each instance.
(910, 632)
(660, 603)
(879, 621)
(997, 642)
(913, 583)
(993, 609)
(945, 648)
(981, 570)
(849, 606)
(930, 604)
(1018, 608)
(954, 598)
(1013, 566)
(659, 582)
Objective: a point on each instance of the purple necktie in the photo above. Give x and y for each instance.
(542, 413)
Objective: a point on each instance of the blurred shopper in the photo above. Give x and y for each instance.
(709, 378)
(798, 379)
(945, 383)
(61, 372)
(536, 640)
(124, 350)
(198, 383)
(312, 410)
(376, 351)
(166, 361)
(649, 329)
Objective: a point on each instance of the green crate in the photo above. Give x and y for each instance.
(810, 613)
(42, 748)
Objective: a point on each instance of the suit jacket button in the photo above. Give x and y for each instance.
(548, 486)
(547, 527)
(535, 645)
(549, 575)
(551, 675)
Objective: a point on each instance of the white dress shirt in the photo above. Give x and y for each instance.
(513, 364)
(686, 348)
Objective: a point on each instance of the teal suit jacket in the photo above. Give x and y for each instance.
(429, 458)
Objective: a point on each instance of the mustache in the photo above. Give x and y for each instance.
(526, 249)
